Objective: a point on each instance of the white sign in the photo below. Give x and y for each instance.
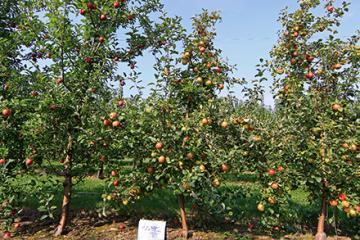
(151, 230)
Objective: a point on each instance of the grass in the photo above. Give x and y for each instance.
(239, 192)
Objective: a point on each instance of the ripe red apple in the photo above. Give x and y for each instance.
(333, 202)
(88, 60)
(117, 4)
(103, 17)
(309, 58)
(342, 197)
(330, 8)
(296, 34)
(2, 161)
(113, 115)
(122, 226)
(219, 70)
(271, 172)
(29, 162)
(34, 93)
(335, 107)
(225, 167)
(130, 17)
(107, 122)
(310, 75)
(280, 168)
(90, 5)
(220, 86)
(116, 124)
(82, 11)
(358, 208)
(114, 173)
(162, 159)
(7, 235)
(116, 183)
(6, 112)
(121, 103)
(158, 145)
(101, 39)
(345, 145)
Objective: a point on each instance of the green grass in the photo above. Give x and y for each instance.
(239, 192)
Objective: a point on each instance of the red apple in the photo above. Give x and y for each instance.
(162, 159)
(103, 17)
(29, 162)
(335, 107)
(330, 8)
(310, 75)
(90, 5)
(6, 112)
(121, 103)
(358, 208)
(296, 34)
(333, 202)
(130, 17)
(158, 145)
(220, 86)
(116, 124)
(280, 168)
(342, 197)
(116, 183)
(122, 226)
(34, 93)
(225, 167)
(7, 235)
(2, 161)
(107, 122)
(88, 60)
(114, 173)
(82, 11)
(117, 4)
(113, 115)
(101, 39)
(271, 172)
(353, 147)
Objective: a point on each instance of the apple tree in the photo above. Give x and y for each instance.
(82, 48)
(317, 99)
(183, 126)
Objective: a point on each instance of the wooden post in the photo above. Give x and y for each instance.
(183, 216)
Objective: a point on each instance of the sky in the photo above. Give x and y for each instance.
(247, 32)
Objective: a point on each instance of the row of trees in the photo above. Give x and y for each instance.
(59, 66)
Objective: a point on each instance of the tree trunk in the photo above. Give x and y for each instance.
(100, 174)
(320, 235)
(67, 189)
(183, 216)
